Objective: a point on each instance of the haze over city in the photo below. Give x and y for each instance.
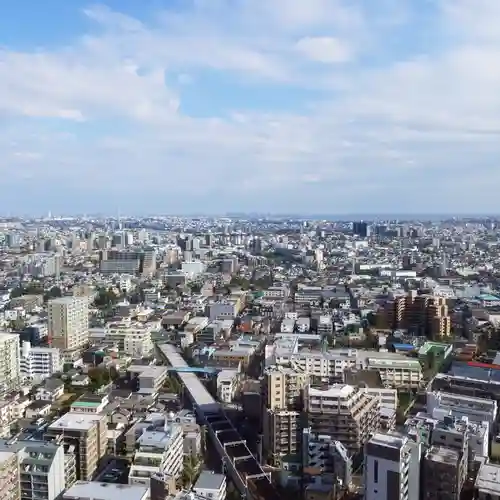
(317, 106)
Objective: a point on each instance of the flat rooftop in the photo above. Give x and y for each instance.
(75, 421)
(106, 491)
(488, 479)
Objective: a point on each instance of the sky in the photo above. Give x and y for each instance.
(278, 106)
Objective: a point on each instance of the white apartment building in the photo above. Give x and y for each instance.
(160, 451)
(69, 325)
(392, 468)
(227, 385)
(130, 337)
(396, 370)
(38, 363)
(475, 409)
(10, 361)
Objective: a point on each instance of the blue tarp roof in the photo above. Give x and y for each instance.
(404, 347)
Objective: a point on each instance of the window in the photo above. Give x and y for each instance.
(375, 471)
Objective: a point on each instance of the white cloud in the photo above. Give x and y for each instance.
(402, 115)
(324, 49)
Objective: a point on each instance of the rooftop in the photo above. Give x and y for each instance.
(209, 481)
(106, 491)
(488, 479)
(75, 421)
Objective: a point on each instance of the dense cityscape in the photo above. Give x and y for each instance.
(256, 357)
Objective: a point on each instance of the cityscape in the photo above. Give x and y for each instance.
(178, 358)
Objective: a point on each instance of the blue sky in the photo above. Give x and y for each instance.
(317, 106)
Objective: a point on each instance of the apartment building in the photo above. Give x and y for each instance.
(282, 396)
(424, 314)
(159, 451)
(344, 412)
(41, 468)
(69, 325)
(391, 468)
(86, 435)
(130, 337)
(9, 476)
(323, 456)
(397, 371)
(150, 378)
(39, 363)
(227, 385)
(475, 409)
(10, 361)
(283, 388)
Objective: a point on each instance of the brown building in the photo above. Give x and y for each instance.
(426, 314)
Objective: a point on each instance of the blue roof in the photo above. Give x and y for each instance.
(404, 347)
(488, 296)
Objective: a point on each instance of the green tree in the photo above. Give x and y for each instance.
(98, 377)
(105, 298)
(190, 470)
(16, 292)
(54, 293)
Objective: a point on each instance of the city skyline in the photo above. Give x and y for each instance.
(284, 106)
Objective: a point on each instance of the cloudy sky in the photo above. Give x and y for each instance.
(304, 106)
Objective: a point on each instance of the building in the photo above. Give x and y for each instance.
(9, 476)
(87, 490)
(128, 262)
(344, 412)
(42, 472)
(159, 451)
(323, 456)
(130, 337)
(396, 370)
(422, 314)
(442, 474)
(475, 409)
(39, 363)
(10, 361)
(488, 482)
(282, 396)
(86, 435)
(150, 379)
(210, 486)
(227, 385)
(392, 468)
(69, 325)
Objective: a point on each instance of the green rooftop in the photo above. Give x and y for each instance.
(86, 403)
(435, 347)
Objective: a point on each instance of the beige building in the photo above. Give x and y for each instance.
(9, 476)
(344, 412)
(69, 324)
(282, 397)
(86, 434)
(10, 361)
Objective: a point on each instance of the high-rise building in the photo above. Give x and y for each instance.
(344, 412)
(83, 430)
(392, 468)
(360, 229)
(9, 361)
(282, 423)
(69, 324)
